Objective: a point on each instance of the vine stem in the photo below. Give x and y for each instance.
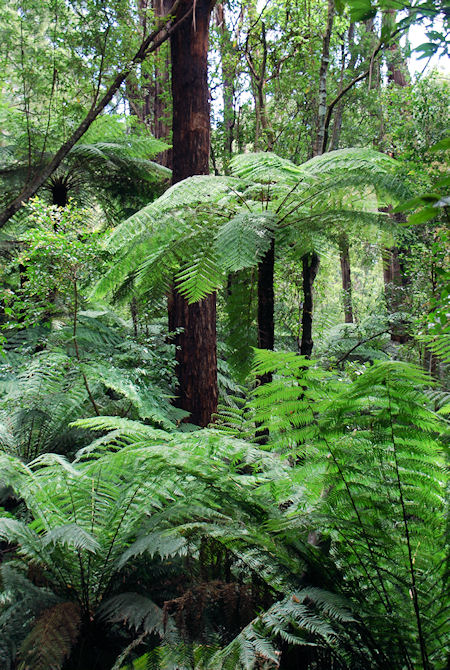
(77, 350)
(413, 589)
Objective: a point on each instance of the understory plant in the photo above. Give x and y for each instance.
(208, 232)
(129, 535)
(83, 357)
(329, 538)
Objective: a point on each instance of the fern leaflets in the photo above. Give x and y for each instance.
(184, 234)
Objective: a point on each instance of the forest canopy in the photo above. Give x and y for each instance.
(224, 335)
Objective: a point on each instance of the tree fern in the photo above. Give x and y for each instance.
(111, 166)
(131, 493)
(39, 399)
(342, 522)
(372, 452)
(142, 492)
(184, 229)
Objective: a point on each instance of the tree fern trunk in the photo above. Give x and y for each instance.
(266, 309)
(266, 304)
(196, 344)
(310, 267)
(60, 193)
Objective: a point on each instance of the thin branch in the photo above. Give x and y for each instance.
(162, 33)
(135, 643)
(54, 80)
(102, 61)
(372, 337)
(354, 81)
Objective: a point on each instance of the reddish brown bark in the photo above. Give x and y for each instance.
(395, 284)
(396, 65)
(196, 345)
(148, 99)
(195, 355)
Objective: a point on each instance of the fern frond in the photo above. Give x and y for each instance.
(51, 639)
(243, 240)
(136, 611)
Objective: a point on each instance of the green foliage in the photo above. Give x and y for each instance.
(205, 228)
(58, 253)
(309, 528)
(134, 491)
(354, 463)
(110, 167)
(371, 450)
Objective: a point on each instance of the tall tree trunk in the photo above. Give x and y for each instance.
(257, 63)
(228, 74)
(349, 69)
(311, 261)
(161, 107)
(344, 241)
(318, 146)
(397, 69)
(258, 85)
(149, 101)
(346, 278)
(196, 344)
(395, 285)
(395, 279)
(311, 264)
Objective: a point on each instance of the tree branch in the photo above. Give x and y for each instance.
(354, 81)
(162, 32)
(372, 337)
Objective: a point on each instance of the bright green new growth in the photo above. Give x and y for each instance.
(205, 227)
(347, 494)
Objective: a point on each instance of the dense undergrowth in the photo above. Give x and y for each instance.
(306, 528)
